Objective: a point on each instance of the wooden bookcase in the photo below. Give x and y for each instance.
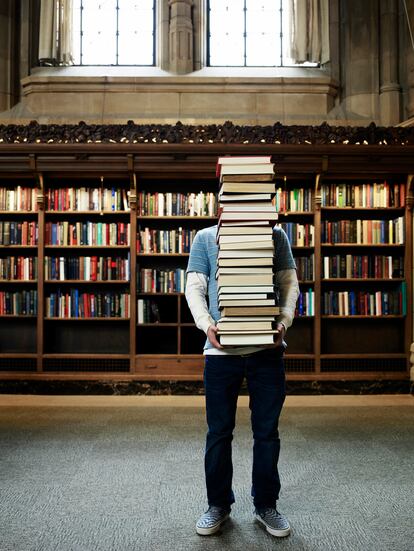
(320, 347)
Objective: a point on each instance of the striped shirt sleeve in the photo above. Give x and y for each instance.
(283, 253)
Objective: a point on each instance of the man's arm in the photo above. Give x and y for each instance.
(287, 282)
(195, 293)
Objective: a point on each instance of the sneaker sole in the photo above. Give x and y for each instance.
(213, 529)
(273, 531)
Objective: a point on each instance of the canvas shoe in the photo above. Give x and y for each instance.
(211, 521)
(276, 523)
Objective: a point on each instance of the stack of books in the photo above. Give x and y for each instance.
(245, 266)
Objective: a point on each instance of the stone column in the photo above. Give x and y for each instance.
(359, 59)
(181, 36)
(5, 55)
(410, 59)
(390, 89)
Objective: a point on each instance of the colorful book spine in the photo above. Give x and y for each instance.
(87, 268)
(299, 235)
(18, 233)
(177, 204)
(18, 268)
(160, 281)
(87, 233)
(363, 232)
(175, 241)
(18, 303)
(74, 303)
(371, 195)
(362, 266)
(18, 198)
(87, 199)
(363, 303)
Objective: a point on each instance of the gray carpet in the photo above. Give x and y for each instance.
(92, 479)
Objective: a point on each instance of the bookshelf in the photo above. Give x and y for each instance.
(152, 337)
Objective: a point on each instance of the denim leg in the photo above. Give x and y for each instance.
(222, 379)
(266, 382)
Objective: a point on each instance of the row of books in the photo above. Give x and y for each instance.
(363, 195)
(151, 280)
(87, 233)
(362, 266)
(176, 204)
(363, 303)
(87, 268)
(294, 200)
(305, 305)
(18, 303)
(368, 232)
(147, 311)
(19, 268)
(77, 304)
(18, 233)
(305, 267)
(165, 241)
(84, 199)
(299, 235)
(19, 198)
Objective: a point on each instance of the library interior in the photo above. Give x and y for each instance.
(206, 207)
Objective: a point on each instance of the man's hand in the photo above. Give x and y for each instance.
(281, 328)
(212, 336)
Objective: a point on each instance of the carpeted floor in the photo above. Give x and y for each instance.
(92, 479)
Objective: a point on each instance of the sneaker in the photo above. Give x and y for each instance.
(276, 523)
(211, 521)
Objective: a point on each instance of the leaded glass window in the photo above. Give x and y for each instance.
(114, 32)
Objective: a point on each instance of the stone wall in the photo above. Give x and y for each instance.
(370, 76)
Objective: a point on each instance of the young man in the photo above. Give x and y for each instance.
(224, 372)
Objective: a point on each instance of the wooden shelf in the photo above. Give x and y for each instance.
(86, 319)
(176, 217)
(162, 254)
(156, 324)
(364, 209)
(86, 282)
(73, 213)
(296, 213)
(17, 316)
(362, 280)
(361, 245)
(359, 316)
(18, 281)
(81, 247)
(5, 247)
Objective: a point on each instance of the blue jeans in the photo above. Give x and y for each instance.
(223, 376)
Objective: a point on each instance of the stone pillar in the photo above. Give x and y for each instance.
(390, 89)
(410, 59)
(359, 59)
(181, 36)
(5, 55)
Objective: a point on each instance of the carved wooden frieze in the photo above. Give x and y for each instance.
(225, 133)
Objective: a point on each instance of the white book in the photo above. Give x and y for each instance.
(249, 208)
(263, 253)
(234, 197)
(244, 238)
(140, 310)
(246, 318)
(244, 160)
(248, 340)
(247, 245)
(230, 223)
(247, 289)
(326, 273)
(244, 296)
(241, 270)
(258, 168)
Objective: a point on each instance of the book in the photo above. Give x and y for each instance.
(245, 223)
(250, 311)
(249, 339)
(235, 262)
(246, 289)
(268, 216)
(249, 177)
(242, 230)
(259, 168)
(242, 161)
(246, 187)
(223, 239)
(245, 296)
(255, 253)
(260, 206)
(255, 302)
(245, 197)
(224, 326)
(249, 245)
(244, 270)
(245, 279)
